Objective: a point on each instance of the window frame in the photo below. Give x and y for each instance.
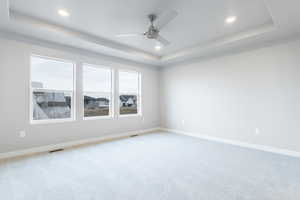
(72, 92)
(112, 93)
(139, 94)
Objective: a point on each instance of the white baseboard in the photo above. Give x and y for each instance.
(73, 143)
(238, 143)
(127, 134)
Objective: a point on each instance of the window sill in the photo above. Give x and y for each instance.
(53, 121)
(130, 115)
(98, 118)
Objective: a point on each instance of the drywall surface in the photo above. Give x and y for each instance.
(14, 101)
(252, 97)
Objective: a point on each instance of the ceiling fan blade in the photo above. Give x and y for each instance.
(162, 40)
(166, 18)
(129, 35)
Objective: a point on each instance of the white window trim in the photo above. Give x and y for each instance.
(139, 95)
(73, 94)
(111, 103)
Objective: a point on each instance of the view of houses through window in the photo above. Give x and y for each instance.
(97, 89)
(51, 89)
(129, 92)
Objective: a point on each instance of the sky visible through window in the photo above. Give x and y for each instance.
(128, 82)
(96, 79)
(51, 74)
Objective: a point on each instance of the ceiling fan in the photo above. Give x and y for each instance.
(153, 32)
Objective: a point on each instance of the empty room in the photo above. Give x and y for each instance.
(149, 100)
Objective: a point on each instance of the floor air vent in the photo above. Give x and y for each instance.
(134, 135)
(56, 150)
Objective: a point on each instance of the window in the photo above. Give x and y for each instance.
(129, 93)
(97, 91)
(52, 90)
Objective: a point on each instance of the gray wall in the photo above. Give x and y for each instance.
(14, 101)
(230, 97)
(226, 97)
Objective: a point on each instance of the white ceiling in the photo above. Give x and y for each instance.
(198, 30)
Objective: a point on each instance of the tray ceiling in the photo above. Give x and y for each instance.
(199, 28)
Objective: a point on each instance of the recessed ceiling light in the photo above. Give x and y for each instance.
(157, 47)
(230, 20)
(63, 13)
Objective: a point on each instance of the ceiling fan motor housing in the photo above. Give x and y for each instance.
(152, 33)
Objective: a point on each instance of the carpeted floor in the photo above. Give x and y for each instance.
(159, 166)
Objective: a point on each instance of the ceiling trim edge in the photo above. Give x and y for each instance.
(70, 49)
(40, 23)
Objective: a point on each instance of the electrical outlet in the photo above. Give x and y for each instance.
(22, 134)
(182, 122)
(257, 131)
(143, 120)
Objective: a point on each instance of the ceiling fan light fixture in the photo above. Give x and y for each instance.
(63, 12)
(231, 19)
(157, 47)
